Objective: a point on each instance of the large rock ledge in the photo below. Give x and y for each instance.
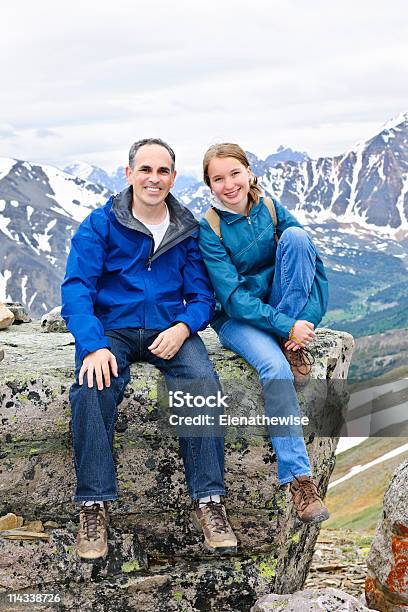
(155, 561)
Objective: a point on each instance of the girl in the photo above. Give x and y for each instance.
(271, 294)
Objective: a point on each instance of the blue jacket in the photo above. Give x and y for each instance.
(114, 280)
(241, 269)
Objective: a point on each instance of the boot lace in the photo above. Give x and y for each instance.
(217, 516)
(92, 520)
(301, 359)
(307, 490)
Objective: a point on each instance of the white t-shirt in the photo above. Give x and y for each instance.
(159, 230)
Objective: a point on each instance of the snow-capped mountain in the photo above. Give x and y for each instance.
(366, 187)
(40, 207)
(115, 182)
(355, 206)
(282, 155)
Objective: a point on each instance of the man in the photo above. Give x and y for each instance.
(136, 289)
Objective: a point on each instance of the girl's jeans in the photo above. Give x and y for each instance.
(294, 274)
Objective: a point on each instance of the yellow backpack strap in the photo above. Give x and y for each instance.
(214, 221)
(271, 207)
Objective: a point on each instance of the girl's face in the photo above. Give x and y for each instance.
(229, 182)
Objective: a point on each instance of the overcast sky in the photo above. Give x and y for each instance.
(83, 80)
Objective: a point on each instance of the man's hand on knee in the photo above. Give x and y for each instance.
(169, 341)
(100, 363)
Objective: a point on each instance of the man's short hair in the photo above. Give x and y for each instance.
(150, 141)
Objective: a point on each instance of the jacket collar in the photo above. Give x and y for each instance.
(182, 221)
(230, 217)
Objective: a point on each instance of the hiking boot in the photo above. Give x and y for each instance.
(92, 537)
(307, 501)
(212, 520)
(300, 362)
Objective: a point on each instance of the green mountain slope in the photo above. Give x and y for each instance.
(357, 502)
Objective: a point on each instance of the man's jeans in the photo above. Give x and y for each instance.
(294, 273)
(94, 415)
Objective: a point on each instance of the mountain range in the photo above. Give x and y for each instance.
(354, 205)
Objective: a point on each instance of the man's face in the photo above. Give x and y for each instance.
(152, 176)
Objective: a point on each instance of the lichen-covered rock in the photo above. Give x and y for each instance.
(1, 353)
(20, 313)
(55, 560)
(387, 580)
(53, 322)
(310, 600)
(6, 317)
(37, 478)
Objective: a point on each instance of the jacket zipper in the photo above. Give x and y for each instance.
(149, 260)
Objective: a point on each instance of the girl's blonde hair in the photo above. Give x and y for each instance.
(229, 149)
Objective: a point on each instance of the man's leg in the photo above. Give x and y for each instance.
(191, 371)
(261, 350)
(93, 424)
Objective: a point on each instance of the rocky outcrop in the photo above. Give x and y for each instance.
(53, 322)
(160, 561)
(386, 584)
(20, 313)
(311, 600)
(6, 317)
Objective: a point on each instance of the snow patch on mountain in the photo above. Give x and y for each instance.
(68, 194)
(4, 277)
(403, 198)
(4, 223)
(81, 169)
(395, 122)
(43, 239)
(24, 289)
(114, 182)
(6, 164)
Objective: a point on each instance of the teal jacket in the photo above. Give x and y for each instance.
(242, 265)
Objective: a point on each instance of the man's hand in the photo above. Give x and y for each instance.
(303, 334)
(100, 363)
(169, 341)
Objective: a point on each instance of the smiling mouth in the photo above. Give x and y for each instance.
(153, 189)
(232, 194)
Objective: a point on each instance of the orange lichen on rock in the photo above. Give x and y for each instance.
(397, 580)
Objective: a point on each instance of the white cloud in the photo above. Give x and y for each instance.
(306, 73)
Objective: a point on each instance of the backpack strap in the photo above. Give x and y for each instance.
(272, 211)
(214, 221)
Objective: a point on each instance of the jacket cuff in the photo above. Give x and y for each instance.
(93, 346)
(285, 327)
(187, 321)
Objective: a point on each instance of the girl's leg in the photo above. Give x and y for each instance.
(261, 350)
(295, 269)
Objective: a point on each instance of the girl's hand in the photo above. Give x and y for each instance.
(302, 335)
(291, 345)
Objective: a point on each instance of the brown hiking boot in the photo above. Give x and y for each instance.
(92, 537)
(307, 501)
(212, 520)
(300, 362)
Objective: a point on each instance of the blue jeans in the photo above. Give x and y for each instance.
(94, 415)
(294, 273)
